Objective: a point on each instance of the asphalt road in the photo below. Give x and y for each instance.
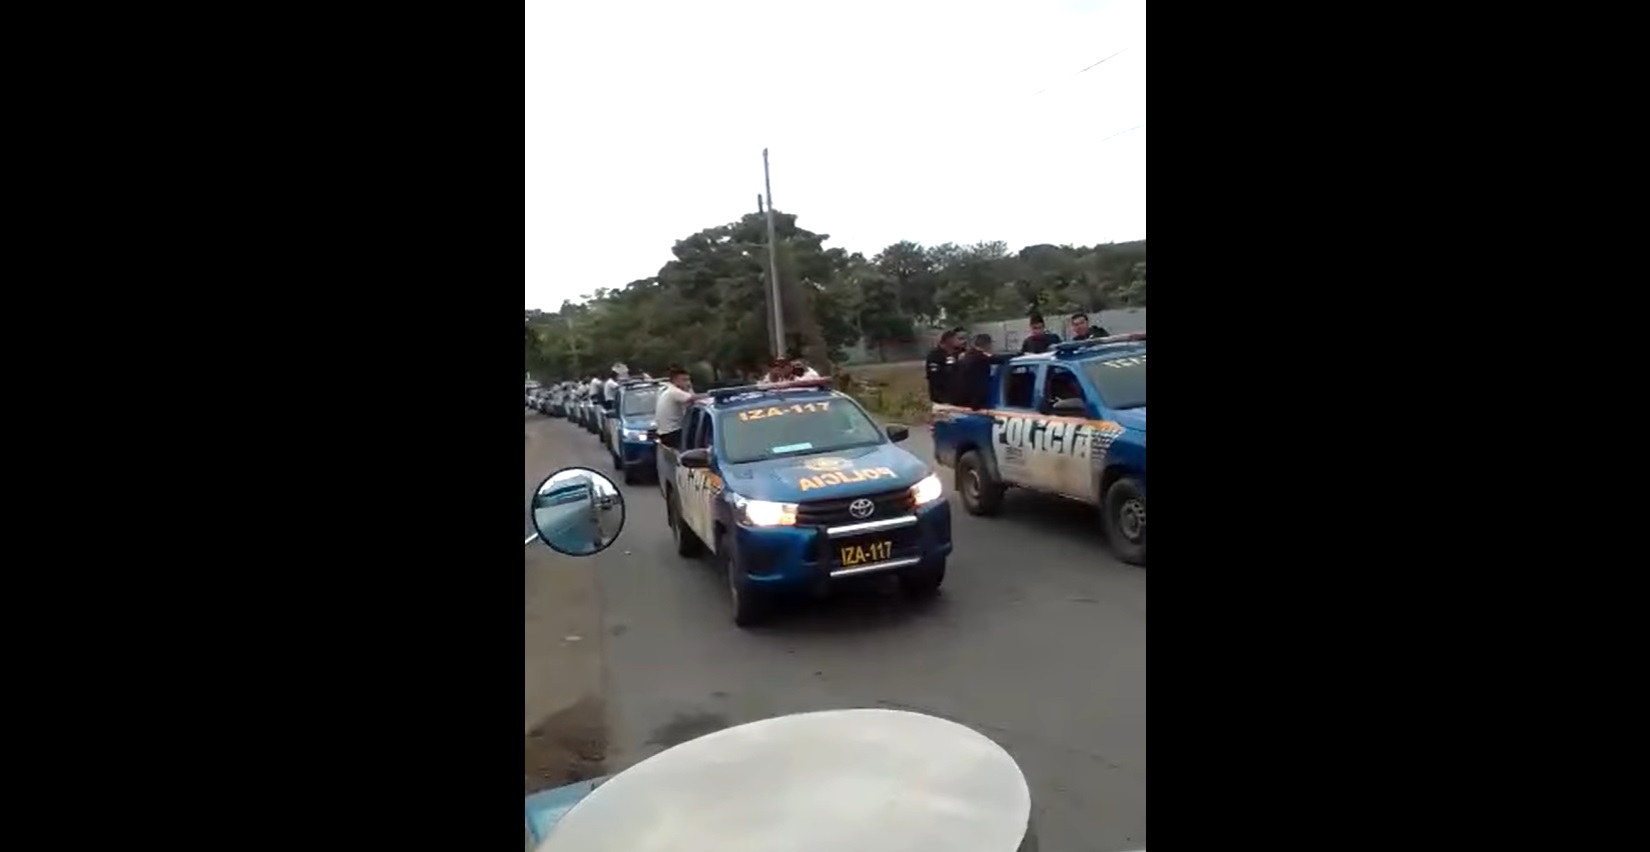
(1038, 640)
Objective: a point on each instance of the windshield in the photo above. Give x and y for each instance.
(783, 429)
(641, 402)
(1121, 381)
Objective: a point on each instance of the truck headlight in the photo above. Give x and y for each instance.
(635, 435)
(761, 513)
(928, 490)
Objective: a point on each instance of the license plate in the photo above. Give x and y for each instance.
(865, 552)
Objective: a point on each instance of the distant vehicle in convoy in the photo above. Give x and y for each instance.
(629, 436)
(1069, 422)
(792, 487)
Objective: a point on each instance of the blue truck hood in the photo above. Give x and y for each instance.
(640, 422)
(826, 476)
(1131, 418)
(546, 807)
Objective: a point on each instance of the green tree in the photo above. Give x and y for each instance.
(707, 308)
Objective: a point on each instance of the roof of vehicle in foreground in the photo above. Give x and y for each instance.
(746, 395)
(1117, 344)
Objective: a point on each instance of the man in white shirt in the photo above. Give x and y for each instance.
(672, 407)
(670, 411)
(595, 390)
(779, 370)
(610, 388)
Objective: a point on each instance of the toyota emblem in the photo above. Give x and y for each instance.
(861, 508)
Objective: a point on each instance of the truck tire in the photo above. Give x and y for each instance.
(618, 461)
(981, 494)
(687, 544)
(1125, 515)
(923, 580)
(751, 605)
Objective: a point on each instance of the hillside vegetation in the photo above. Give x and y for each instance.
(707, 307)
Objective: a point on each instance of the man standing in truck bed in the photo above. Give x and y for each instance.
(1081, 330)
(942, 360)
(971, 379)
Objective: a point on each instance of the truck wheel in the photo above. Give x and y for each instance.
(1126, 520)
(687, 544)
(751, 605)
(923, 580)
(981, 495)
(618, 463)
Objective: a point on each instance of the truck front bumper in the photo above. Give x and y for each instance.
(806, 557)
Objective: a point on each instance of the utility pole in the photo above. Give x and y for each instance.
(773, 266)
(572, 347)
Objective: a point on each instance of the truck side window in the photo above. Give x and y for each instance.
(703, 435)
(1061, 384)
(690, 429)
(1018, 385)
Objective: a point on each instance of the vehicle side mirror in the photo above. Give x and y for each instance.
(1070, 406)
(699, 458)
(897, 433)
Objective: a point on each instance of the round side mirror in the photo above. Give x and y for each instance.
(578, 511)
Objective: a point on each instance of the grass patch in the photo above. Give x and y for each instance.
(897, 392)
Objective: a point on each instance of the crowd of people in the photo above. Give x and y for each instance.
(959, 368)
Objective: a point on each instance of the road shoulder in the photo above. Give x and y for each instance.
(566, 700)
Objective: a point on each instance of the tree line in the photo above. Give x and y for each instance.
(707, 309)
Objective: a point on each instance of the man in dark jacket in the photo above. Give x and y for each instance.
(941, 361)
(1081, 330)
(1040, 339)
(971, 379)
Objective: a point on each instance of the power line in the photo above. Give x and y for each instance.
(1121, 132)
(1063, 79)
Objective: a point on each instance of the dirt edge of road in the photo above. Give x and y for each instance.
(568, 746)
(566, 697)
(566, 700)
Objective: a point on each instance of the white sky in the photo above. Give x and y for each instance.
(885, 120)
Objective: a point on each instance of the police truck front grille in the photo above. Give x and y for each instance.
(825, 513)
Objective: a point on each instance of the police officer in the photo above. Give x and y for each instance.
(610, 388)
(972, 377)
(672, 406)
(1040, 339)
(942, 360)
(1081, 330)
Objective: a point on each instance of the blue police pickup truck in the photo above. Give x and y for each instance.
(629, 427)
(1070, 422)
(793, 486)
